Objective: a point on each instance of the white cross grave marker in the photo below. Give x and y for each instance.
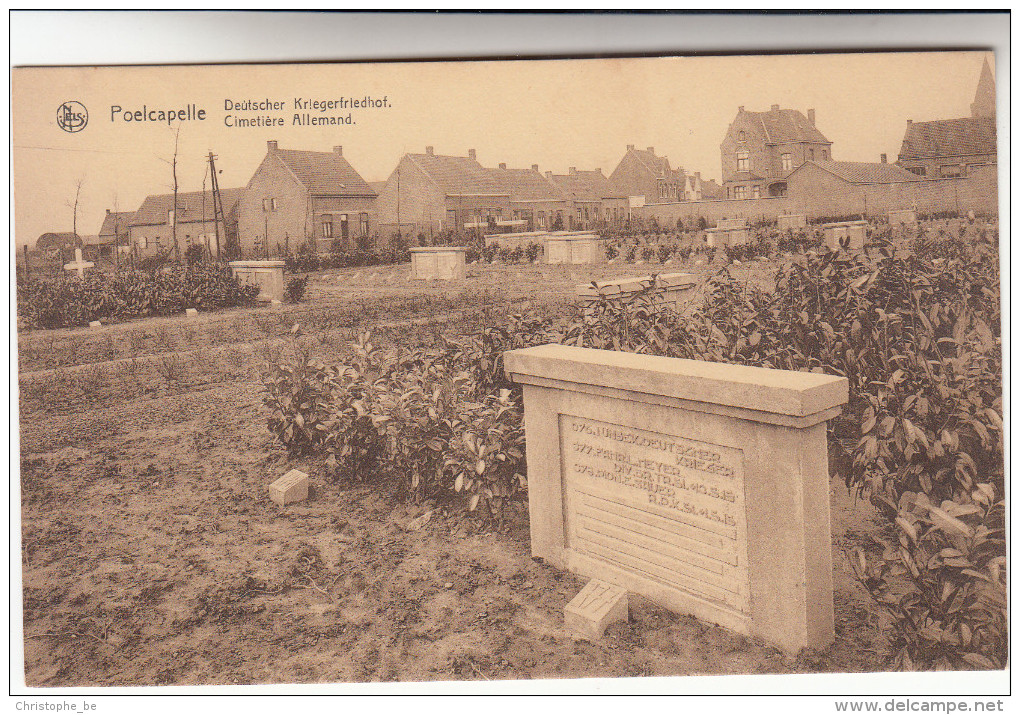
(78, 264)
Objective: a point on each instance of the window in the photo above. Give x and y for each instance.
(757, 192)
(269, 204)
(811, 154)
(364, 224)
(787, 160)
(743, 162)
(825, 154)
(919, 170)
(327, 229)
(541, 218)
(169, 217)
(728, 193)
(951, 170)
(143, 242)
(741, 136)
(740, 192)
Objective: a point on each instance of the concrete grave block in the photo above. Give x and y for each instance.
(442, 263)
(577, 248)
(901, 217)
(848, 235)
(191, 312)
(701, 486)
(598, 605)
(787, 222)
(267, 275)
(291, 487)
(95, 324)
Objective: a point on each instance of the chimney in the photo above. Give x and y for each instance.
(572, 170)
(651, 150)
(502, 165)
(107, 212)
(740, 108)
(630, 147)
(697, 175)
(272, 146)
(471, 154)
(338, 150)
(534, 167)
(885, 159)
(811, 116)
(430, 150)
(775, 107)
(909, 122)
(548, 174)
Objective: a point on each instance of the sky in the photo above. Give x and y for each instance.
(554, 113)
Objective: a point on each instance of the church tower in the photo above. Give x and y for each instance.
(984, 99)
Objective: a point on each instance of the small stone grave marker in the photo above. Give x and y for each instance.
(78, 264)
(848, 235)
(291, 487)
(597, 605)
(95, 324)
(701, 486)
(191, 312)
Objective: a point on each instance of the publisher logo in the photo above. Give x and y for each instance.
(72, 116)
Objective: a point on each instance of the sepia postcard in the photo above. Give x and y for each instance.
(509, 370)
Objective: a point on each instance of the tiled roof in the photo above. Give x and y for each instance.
(657, 165)
(457, 175)
(54, 240)
(377, 186)
(586, 186)
(526, 185)
(324, 173)
(949, 137)
(116, 222)
(786, 125)
(859, 172)
(189, 207)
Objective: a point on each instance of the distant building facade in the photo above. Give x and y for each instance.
(591, 198)
(761, 149)
(536, 204)
(642, 173)
(305, 197)
(151, 227)
(114, 231)
(434, 193)
(839, 188)
(948, 148)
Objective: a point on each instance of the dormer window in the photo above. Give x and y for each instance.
(741, 136)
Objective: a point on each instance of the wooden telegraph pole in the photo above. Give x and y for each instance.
(217, 207)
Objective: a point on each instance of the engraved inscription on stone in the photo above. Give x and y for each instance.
(663, 507)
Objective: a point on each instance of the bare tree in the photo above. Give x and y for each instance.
(73, 205)
(174, 187)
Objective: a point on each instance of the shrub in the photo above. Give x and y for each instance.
(295, 289)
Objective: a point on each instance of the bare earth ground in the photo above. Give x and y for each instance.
(152, 555)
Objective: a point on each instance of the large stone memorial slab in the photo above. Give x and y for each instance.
(267, 275)
(848, 235)
(442, 263)
(574, 248)
(787, 222)
(902, 216)
(721, 237)
(701, 486)
(675, 289)
(728, 223)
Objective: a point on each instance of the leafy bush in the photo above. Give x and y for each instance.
(68, 301)
(295, 289)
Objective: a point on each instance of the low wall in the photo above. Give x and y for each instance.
(712, 211)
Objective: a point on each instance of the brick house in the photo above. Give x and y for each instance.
(591, 198)
(761, 149)
(432, 193)
(954, 147)
(642, 173)
(150, 229)
(305, 197)
(535, 201)
(843, 188)
(114, 231)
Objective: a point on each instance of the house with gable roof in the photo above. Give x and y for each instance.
(591, 198)
(841, 188)
(434, 193)
(536, 204)
(642, 173)
(300, 197)
(151, 227)
(761, 149)
(946, 148)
